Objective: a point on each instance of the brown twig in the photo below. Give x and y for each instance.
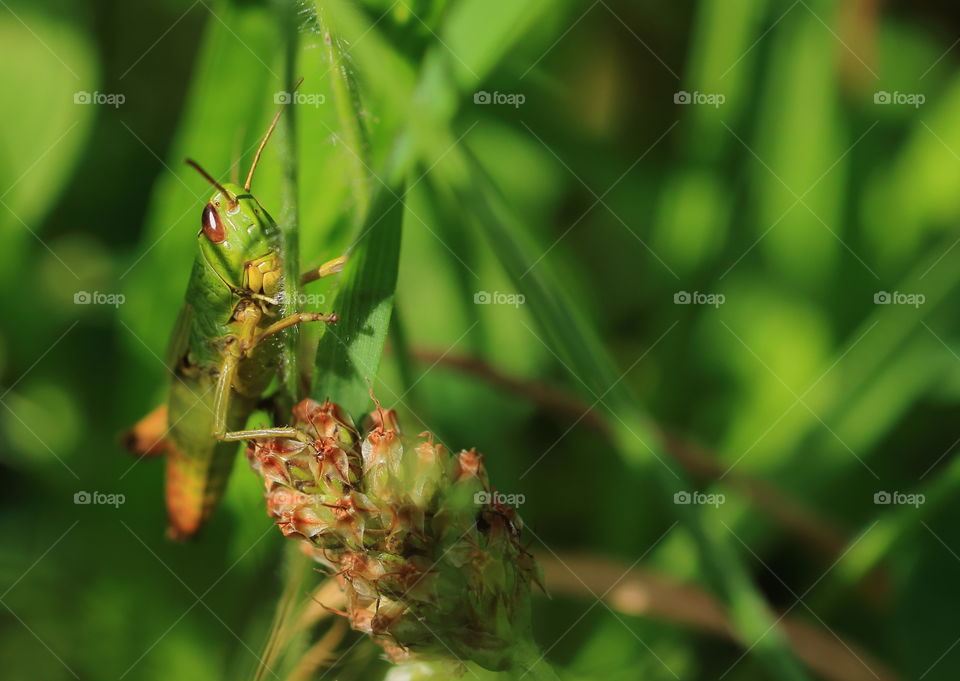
(326, 596)
(642, 593)
(639, 592)
(320, 653)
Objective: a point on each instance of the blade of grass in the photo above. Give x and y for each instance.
(352, 129)
(349, 355)
(880, 538)
(383, 67)
(350, 351)
(283, 629)
(884, 372)
(446, 221)
(478, 33)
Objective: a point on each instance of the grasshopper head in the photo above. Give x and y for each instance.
(234, 229)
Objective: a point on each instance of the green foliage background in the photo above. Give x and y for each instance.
(600, 198)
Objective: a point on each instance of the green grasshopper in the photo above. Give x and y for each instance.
(224, 351)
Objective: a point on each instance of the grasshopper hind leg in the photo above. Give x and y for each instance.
(149, 436)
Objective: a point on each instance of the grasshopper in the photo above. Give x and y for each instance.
(224, 350)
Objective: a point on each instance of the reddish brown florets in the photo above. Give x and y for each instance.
(429, 558)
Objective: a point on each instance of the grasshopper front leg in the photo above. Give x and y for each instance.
(325, 270)
(291, 320)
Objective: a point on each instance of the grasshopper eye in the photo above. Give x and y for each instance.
(211, 225)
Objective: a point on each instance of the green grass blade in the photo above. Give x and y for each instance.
(884, 372)
(899, 522)
(352, 129)
(478, 33)
(349, 352)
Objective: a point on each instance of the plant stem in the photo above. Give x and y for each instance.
(289, 218)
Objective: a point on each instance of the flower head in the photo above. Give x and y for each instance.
(431, 565)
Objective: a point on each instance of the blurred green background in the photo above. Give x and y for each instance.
(651, 251)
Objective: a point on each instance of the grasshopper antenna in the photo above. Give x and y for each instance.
(235, 157)
(209, 178)
(263, 142)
